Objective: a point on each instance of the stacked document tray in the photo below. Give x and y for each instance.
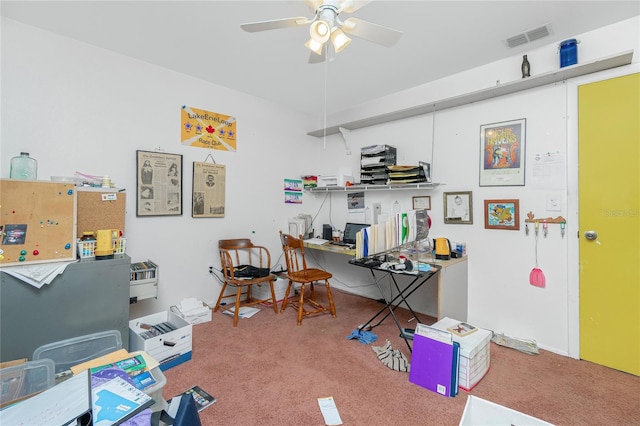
(408, 174)
(374, 160)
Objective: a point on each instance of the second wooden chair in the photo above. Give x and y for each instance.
(298, 272)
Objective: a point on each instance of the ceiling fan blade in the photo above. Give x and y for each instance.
(373, 32)
(316, 59)
(275, 24)
(350, 6)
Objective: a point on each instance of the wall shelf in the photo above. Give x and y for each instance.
(555, 76)
(356, 188)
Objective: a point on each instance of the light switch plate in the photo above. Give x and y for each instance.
(554, 202)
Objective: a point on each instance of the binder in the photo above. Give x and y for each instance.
(455, 370)
(432, 360)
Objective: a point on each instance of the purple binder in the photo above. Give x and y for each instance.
(431, 360)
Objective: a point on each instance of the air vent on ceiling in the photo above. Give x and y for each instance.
(528, 36)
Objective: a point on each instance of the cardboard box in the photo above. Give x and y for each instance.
(478, 411)
(171, 348)
(193, 310)
(475, 357)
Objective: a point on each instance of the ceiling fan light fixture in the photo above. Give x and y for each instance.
(314, 46)
(339, 39)
(320, 31)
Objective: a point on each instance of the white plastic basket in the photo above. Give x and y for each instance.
(87, 249)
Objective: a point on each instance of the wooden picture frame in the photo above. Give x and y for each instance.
(458, 207)
(208, 195)
(158, 184)
(502, 148)
(421, 202)
(502, 214)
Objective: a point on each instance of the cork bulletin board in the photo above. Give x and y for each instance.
(38, 221)
(100, 209)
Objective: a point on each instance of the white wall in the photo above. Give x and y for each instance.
(500, 296)
(77, 107)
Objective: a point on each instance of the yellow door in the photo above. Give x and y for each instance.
(609, 214)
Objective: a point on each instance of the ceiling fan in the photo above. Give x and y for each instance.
(326, 24)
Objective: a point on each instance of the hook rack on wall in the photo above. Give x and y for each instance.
(545, 221)
(530, 219)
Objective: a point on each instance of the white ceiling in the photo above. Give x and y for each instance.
(203, 39)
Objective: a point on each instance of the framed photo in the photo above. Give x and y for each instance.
(422, 202)
(158, 184)
(502, 147)
(502, 214)
(458, 207)
(209, 183)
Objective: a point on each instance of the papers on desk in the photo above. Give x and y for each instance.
(59, 405)
(37, 275)
(316, 241)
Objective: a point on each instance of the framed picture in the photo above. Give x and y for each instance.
(209, 183)
(422, 202)
(502, 214)
(158, 184)
(502, 147)
(458, 207)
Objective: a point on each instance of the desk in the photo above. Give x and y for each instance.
(445, 295)
(331, 247)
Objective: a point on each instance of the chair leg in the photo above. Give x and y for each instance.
(224, 287)
(332, 307)
(286, 297)
(236, 310)
(301, 305)
(273, 297)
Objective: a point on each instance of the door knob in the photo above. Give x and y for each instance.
(591, 235)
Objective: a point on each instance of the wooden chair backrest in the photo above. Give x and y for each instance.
(241, 251)
(293, 249)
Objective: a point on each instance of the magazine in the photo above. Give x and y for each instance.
(116, 401)
(203, 399)
(462, 329)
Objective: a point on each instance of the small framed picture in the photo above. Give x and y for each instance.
(458, 207)
(422, 202)
(502, 214)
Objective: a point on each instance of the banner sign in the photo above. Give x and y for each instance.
(205, 129)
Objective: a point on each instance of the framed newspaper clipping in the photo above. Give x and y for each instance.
(208, 190)
(158, 184)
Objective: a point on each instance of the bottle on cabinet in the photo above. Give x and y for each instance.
(24, 167)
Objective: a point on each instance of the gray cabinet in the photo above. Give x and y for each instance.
(89, 297)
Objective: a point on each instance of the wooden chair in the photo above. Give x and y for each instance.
(298, 272)
(235, 255)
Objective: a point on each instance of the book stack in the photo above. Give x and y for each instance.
(435, 360)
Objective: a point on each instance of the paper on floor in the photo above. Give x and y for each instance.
(329, 411)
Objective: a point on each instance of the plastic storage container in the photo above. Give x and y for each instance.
(24, 167)
(155, 390)
(23, 380)
(568, 52)
(67, 353)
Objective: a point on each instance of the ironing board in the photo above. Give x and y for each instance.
(417, 280)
